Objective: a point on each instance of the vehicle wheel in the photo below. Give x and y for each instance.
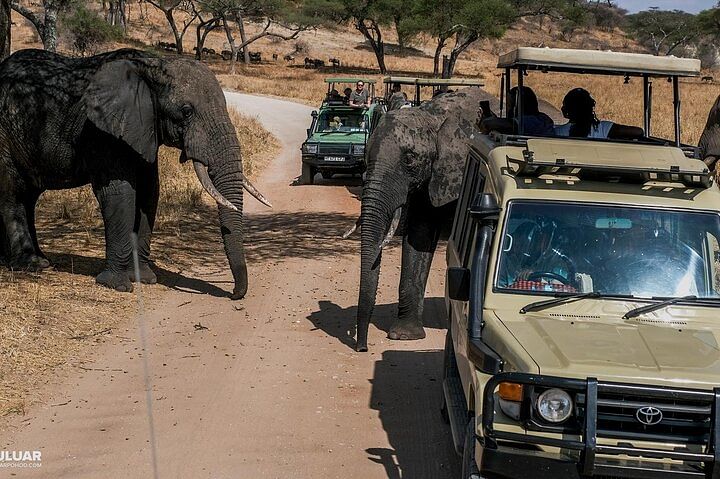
(327, 175)
(308, 174)
(469, 468)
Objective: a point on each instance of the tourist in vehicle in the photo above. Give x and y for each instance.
(334, 96)
(398, 98)
(579, 107)
(346, 95)
(359, 97)
(535, 122)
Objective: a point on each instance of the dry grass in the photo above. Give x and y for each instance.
(55, 318)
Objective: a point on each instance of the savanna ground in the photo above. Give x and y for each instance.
(50, 319)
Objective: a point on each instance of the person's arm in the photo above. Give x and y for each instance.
(625, 132)
(494, 123)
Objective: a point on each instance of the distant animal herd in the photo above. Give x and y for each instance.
(255, 57)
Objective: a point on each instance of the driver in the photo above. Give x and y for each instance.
(535, 260)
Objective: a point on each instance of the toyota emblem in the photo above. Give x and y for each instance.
(648, 415)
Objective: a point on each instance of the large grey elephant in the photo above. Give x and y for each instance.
(68, 122)
(710, 140)
(416, 159)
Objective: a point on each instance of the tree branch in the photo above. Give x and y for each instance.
(29, 14)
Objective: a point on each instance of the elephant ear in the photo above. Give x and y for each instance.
(119, 102)
(449, 165)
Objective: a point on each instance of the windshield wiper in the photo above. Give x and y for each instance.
(634, 313)
(540, 305)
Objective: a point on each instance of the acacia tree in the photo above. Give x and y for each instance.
(663, 31)
(4, 29)
(170, 8)
(45, 22)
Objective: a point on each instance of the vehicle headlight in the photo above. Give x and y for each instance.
(311, 148)
(554, 405)
(358, 149)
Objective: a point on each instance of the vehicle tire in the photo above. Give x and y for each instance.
(327, 175)
(469, 468)
(308, 174)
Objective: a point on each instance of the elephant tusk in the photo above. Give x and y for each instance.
(352, 229)
(206, 183)
(393, 227)
(254, 191)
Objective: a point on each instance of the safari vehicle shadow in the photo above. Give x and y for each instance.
(339, 322)
(406, 391)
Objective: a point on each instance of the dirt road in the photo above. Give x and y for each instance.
(268, 387)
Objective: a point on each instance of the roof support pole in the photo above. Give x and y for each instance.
(647, 104)
(508, 82)
(519, 102)
(676, 105)
(417, 94)
(502, 95)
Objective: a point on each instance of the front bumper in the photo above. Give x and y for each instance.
(511, 455)
(349, 162)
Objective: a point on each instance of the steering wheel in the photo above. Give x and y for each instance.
(548, 274)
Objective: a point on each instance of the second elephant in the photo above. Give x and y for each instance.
(416, 158)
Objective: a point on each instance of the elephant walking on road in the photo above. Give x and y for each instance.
(710, 140)
(416, 159)
(100, 120)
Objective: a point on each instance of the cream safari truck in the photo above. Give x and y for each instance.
(583, 295)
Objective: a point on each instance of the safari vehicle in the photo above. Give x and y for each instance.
(338, 133)
(436, 84)
(583, 297)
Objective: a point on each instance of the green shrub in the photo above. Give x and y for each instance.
(88, 31)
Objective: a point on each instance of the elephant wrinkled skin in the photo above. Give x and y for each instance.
(100, 120)
(709, 143)
(416, 158)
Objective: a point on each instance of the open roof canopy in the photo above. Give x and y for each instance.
(433, 81)
(349, 80)
(604, 62)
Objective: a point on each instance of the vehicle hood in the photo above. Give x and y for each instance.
(675, 347)
(337, 138)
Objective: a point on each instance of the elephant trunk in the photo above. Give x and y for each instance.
(382, 203)
(229, 184)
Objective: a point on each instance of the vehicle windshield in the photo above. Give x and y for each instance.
(573, 248)
(343, 121)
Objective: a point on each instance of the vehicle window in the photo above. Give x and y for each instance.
(560, 247)
(463, 227)
(346, 121)
(714, 257)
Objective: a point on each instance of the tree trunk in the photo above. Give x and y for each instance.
(173, 26)
(374, 36)
(462, 42)
(231, 42)
(4, 29)
(436, 58)
(48, 33)
(201, 33)
(243, 38)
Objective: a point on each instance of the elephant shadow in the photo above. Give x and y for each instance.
(406, 392)
(339, 322)
(91, 266)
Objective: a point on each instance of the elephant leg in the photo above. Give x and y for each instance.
(419, 243)
(117, 205)
(148, 194)
(30, 203)
(18, 240)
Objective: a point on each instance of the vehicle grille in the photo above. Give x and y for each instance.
(685, 421)
(343, 149)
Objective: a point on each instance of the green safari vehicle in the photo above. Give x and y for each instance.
(338, 133)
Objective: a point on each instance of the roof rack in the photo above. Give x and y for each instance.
(349, 80)
(619, 163)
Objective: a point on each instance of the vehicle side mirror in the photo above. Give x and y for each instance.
(309, 131)
(458, 283)
(314, 114)
(485, 208)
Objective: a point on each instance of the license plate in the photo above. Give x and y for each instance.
(334, 158)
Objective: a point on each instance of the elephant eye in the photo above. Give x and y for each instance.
(187, 111)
